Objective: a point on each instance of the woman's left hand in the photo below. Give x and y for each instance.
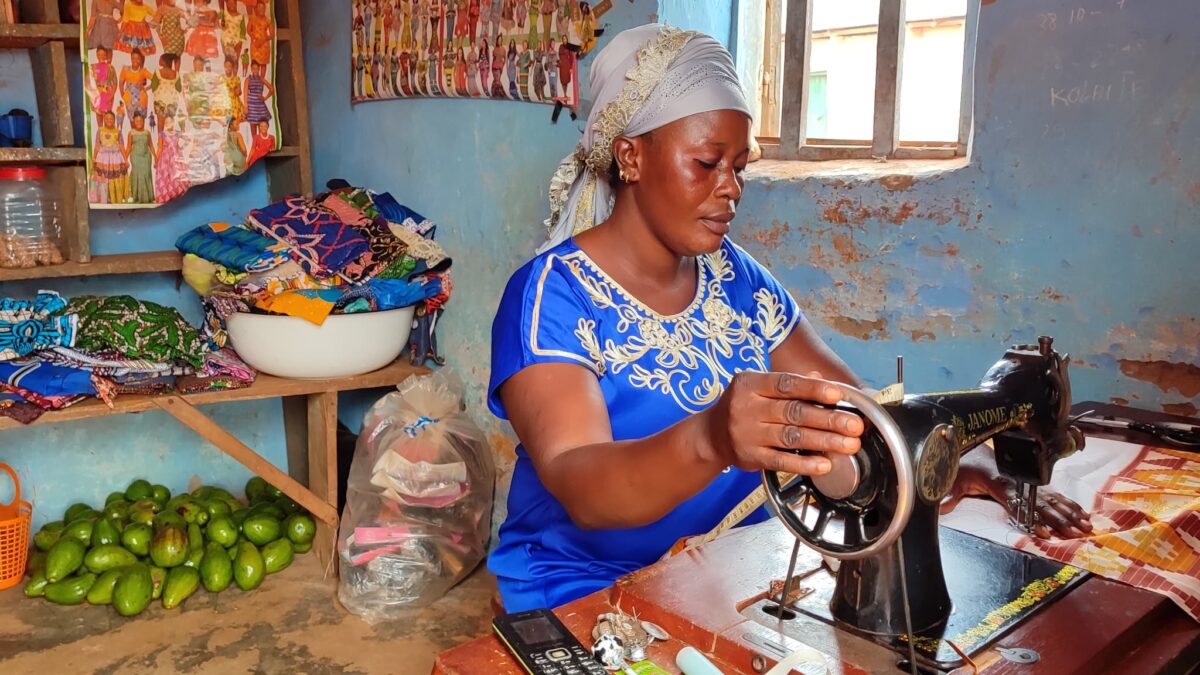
(1057, 515)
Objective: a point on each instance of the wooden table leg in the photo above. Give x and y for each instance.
(318, 505)
(322, 470)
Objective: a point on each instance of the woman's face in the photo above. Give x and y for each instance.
(687, 178)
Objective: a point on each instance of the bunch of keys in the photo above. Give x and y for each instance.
(620, 637)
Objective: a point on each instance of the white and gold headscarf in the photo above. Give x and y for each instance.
(645, 78)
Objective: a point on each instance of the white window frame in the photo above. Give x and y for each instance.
(791, 95)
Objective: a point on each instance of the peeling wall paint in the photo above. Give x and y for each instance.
(1074, 218)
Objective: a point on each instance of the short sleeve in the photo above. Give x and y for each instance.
(772, 307)
(541, 319)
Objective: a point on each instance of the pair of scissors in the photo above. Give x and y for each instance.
(1176, 433)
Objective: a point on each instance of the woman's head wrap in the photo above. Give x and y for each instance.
(645, 78)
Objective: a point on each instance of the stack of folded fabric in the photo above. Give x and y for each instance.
(344, 251)
(55, 352)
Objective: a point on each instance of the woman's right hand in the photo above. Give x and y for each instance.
(761, 416)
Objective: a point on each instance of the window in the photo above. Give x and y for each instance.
(864, 79)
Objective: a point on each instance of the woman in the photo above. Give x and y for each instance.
(524, 61)
(511, 70)
(235, 150)
(484, 59)
(103, 79)
(259, 91)
(140, 154)
(110, 171)
(261, 31)
(166, 87)
(169, 172)
(172, 32)
(135, 33)
(102, 24)
(498, 62)
(233, 31)
(202, 40)
(135, 82)
(644, 361)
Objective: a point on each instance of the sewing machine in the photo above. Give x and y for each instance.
(890, 582)
(876, 517)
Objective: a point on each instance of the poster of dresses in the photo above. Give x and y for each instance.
(521, 50)
(178, 93)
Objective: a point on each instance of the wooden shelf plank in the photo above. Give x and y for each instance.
(266, 386)
(42, 155)
(285, 151)
(121, 263)
(26, 35)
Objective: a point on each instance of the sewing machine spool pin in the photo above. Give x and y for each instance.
(889, 493)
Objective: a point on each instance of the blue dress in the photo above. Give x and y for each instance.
(653, 370)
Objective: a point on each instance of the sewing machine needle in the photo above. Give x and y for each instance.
(787, 582)
(1031, 507)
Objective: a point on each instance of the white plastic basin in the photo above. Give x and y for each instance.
(345, 345)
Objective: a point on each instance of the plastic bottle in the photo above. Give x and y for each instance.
(30, 214)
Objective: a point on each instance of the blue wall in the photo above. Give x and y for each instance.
(1075, 219)
(85, 460)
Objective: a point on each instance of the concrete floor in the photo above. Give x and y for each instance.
(291, 624)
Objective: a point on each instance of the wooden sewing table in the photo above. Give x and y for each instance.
(1099, 626)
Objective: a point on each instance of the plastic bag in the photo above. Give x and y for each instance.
(418, 500)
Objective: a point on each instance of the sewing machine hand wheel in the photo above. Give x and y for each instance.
(803, 493)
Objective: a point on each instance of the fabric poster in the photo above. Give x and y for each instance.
(178, 93)
(521, 50)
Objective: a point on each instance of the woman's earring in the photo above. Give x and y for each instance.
(621, 174)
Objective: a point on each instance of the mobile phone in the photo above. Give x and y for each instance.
(543, 645)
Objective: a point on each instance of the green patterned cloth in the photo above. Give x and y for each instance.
(136, 329)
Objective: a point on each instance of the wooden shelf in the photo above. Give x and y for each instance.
(42, 155)
(266, 386)
(27, 35)
(285, 151)
(122, 263)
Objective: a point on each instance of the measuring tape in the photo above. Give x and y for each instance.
(893, 393)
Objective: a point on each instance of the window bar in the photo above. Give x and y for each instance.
(966, 117)
(769, 88)
(888, 58)
(795, 79)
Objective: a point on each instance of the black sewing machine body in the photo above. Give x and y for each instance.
(1022, 404)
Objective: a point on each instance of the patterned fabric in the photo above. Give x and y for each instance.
(193, 384)
(384, 294)
(43, 402)
(136, 329)
(108, 365)
(312, 306)
(29, 325)
(226, 363)
(235, 248)
(356, 209)
(404, 267)
(46, 379)
(217, 308)
(321, 243)
(17, 408)
(1146, 528)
